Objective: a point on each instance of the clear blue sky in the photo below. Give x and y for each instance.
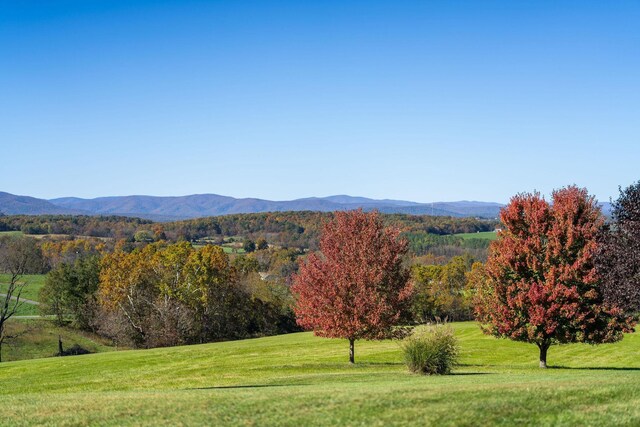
(419, 100)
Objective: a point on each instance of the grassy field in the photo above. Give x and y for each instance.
(32, 288)
(26, 309)
(227, 249)
(37, 338)
(487, 235)
(31, 291)
(232, 250)
(11, 233)
(299, 379)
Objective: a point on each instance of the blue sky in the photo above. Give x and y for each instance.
(419, 100)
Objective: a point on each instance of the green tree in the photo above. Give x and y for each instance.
(249, 245)
(441, 291)
(71, 290)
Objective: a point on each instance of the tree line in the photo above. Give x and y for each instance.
(286, 229)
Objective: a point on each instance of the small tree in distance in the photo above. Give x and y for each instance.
(248, 245)
(542, 286)
(357, 286)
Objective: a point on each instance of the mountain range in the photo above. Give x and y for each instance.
(203, 205)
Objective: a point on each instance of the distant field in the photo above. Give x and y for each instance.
(32, 288)
(11, 233)
(38, 338)
(230, 250)
(486, 235)
(52, 236)
(226, 249)
(299, 379)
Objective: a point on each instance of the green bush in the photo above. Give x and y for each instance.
(431, 350)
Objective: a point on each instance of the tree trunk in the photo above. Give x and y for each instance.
(543, 354)
(351, 351)
(60, 350)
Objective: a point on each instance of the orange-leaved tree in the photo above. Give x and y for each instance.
(357, 286)
(542, 286)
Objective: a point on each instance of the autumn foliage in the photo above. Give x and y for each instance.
(169, 294)
(357, 286)
(542, 286)
(619, 255)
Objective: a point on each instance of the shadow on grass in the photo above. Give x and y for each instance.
(231, 387)
(593, 368)
(377, 364)
(459, 374)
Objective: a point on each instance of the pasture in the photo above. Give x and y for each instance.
(33, 284)
(299, 379)
(485, 235)
(11, 233)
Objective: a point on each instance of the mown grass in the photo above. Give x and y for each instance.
(486, 235)
(25, 309)
(37, 338)
(299, 379)
(33, 284)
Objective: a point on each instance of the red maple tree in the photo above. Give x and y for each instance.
(357, 286)
(542, 286)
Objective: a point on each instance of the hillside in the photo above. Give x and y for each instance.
(37, 338)
(299, 379)
(10, 204)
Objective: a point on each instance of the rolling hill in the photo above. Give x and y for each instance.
(299, 379)
(10, 204)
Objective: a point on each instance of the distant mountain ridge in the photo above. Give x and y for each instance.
(10, 204)
(203, 205)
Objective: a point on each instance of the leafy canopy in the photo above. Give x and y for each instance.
(542, 285)
(357, 286)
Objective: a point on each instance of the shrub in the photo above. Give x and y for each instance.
(431, 350)
(74, 350)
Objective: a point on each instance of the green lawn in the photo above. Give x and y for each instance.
(26, 309)
(32, 288)
(486, 235)
(299, 380)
